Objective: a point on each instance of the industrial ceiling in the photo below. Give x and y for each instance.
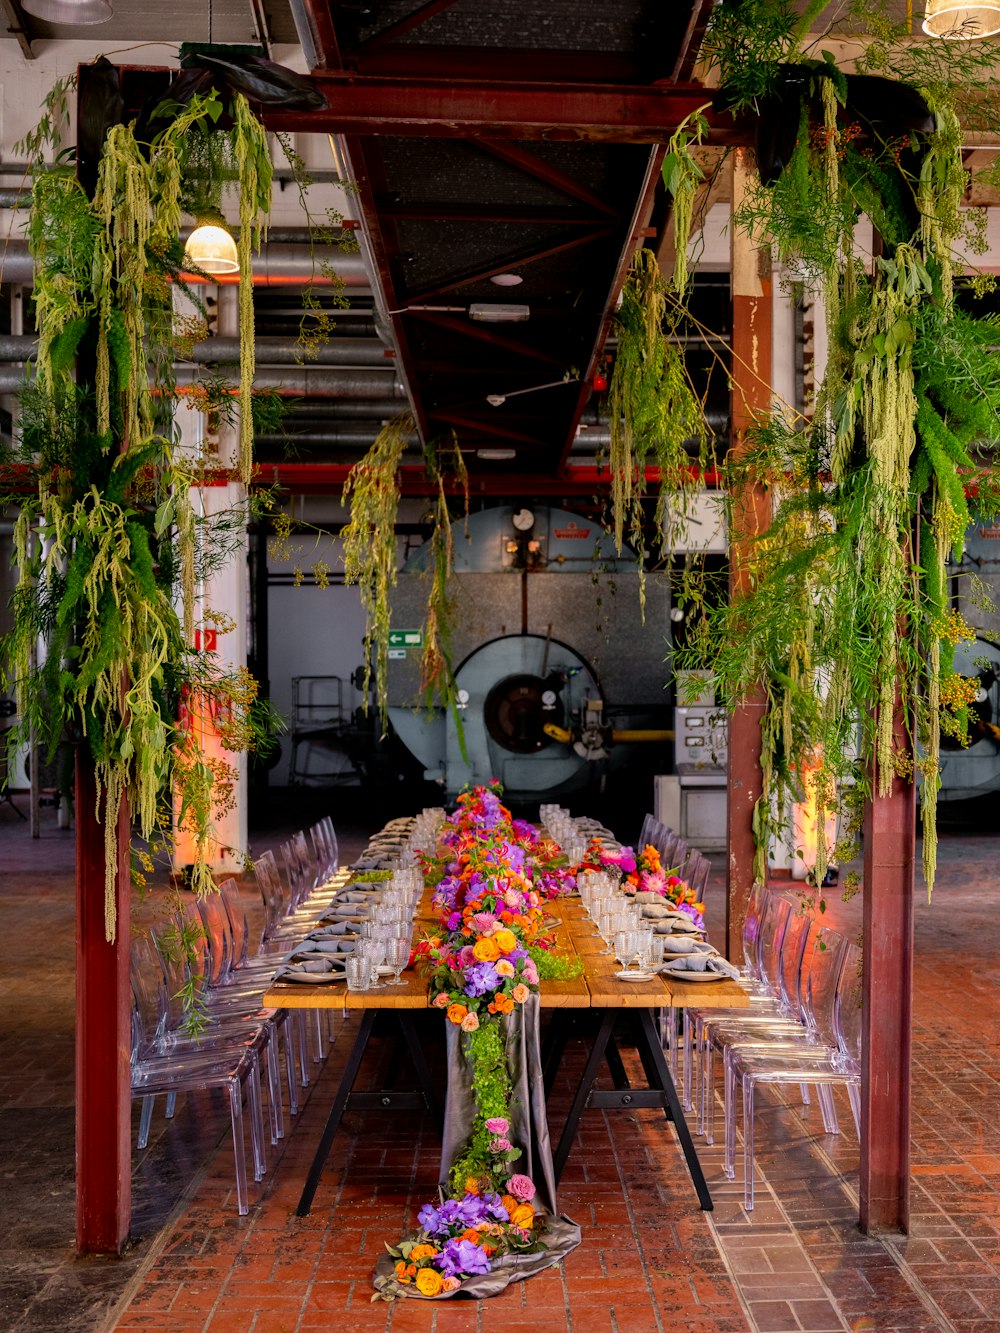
(503, 163)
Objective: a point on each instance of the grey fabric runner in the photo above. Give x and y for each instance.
(529, 1129)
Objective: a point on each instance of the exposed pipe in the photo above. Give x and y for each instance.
(318, 382)
(379, 410)
(275, 266)
(353, 435)
(270, 351)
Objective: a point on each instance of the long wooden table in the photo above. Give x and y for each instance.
(593, 1002)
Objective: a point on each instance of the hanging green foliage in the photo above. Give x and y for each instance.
(371, 558)
(110, 539)
(846, 620)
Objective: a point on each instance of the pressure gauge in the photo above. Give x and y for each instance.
(463, 698)
(524, 520)
(548, 699)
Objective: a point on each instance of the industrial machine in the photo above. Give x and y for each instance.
(560, 684)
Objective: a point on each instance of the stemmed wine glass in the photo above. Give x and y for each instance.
(397, 955)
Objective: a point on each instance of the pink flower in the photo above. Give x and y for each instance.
(466, 956)
(441, 1000)
(483, 922)
(520, 993)
(530, 972)
(450, 1284)
(500, 1144)
(470, 1022)
(522, 1188)
(504, 967)
(498, 1125)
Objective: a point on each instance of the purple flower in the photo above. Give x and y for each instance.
(494, 1208)
(454, 921)
(431, 1220)
(461, 1258)
(497, 1124)
(522, 1188)
(480, 978)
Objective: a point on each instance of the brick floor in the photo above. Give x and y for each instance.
(650, 1259)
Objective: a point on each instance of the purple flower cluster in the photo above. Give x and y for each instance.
(462, 1258)
(480, 978)
(459, 1214)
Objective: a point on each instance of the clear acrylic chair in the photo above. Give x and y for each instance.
(835, 1002)
(165, 1061)
(804, 954)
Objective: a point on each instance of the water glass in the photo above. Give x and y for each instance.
(359, 977)
(372, 953)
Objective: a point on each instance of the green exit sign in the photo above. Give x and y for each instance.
(406, 638)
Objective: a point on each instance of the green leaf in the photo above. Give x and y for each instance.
(672, 172)
(164, 516)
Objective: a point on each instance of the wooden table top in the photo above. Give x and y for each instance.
(595, 987)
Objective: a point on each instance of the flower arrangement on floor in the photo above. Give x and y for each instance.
(485, 963)
(645, 874)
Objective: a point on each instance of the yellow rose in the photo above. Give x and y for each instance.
(524, 1216)
(485, 950)
(429, 1282)
(506, 940)
(511, 1204)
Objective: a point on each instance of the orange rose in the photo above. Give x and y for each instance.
(523, 1216)
(486, 950)
(504, 1004)
(429, 1282)
(456, 1012)
(505, 940)
(422, 1252)
(472, 1185)
(401, 1270)
(520, 993)
(470, 1233)
(504, 967)
(510, 1203)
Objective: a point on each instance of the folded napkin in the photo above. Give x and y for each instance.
(674, 923)
(334, 928)
(686, 944)
(701, 963)
(312, 969)
(325, 945)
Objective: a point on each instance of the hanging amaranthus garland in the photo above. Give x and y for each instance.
(371, 558)
(844, 613)
(99, 584)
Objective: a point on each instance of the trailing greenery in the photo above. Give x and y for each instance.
(110, 543)
(846, 620)
(655, 417)
(371, 559)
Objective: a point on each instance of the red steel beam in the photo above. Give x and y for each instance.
(751, 398)
(324, 35)
(690, 48)
(887, 1000)
(494, 64)
(329, 478)
(103, 1014)
(463, 109)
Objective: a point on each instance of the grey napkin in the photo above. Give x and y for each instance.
(701, 963)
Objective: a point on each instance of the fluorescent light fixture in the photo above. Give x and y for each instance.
(496, 455)
(507, 279)
(499, 313)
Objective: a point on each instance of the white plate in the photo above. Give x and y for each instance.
(385, 971)
(634, 976)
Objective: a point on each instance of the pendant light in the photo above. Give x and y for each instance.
(958, 22)
(211, 247)
(70, 12)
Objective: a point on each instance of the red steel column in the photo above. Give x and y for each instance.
(103, 1093)
(890, 846)
(751, 396)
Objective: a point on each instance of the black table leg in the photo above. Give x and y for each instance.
(616, 1067)
(583, 1092)
(658, 1068)
(337, 1110)
(416, 1050)
(556, 1040)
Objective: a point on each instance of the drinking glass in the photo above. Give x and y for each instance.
(372, 952)
(625, 947)
(358, 972)
(397, 955)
